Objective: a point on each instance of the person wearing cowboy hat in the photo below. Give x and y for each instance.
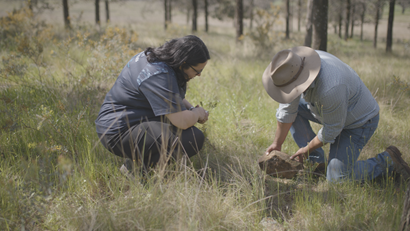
(313, 85)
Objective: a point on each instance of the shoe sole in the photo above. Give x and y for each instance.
(126, 173)
(320, 169)
(402, 167)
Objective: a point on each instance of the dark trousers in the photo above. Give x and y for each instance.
(150, 142)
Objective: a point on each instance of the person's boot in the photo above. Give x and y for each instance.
(320, 169)
(127, 169)
(399, 165)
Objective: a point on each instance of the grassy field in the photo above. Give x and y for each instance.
(55, 175)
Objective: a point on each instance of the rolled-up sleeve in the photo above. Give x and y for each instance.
(333, 109)
(286, 113)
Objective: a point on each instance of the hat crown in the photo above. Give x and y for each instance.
(285, 66)
(290, 73)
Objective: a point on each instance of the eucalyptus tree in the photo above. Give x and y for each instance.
(194, 15)
(299, 13)
(239, 19)
(352, 17)
(336, 12)
(389, 38)
(66, 14)
(107, 11)
(309, 21)
(404, 4)
(97, 12)
(167, 13)
(30, 5)
(287, 16)
(238, 10)
(361, 5)
(316, 26)
(377, 8)
(251, 8)
(206, 15)
(37, 7)
(320, 23)
(347, 20)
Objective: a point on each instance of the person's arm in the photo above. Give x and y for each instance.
(282, 130)
(303, 153)
(188, 105)
(285, 115)
(188, 118)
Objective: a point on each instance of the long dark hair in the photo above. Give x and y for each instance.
(180, 52)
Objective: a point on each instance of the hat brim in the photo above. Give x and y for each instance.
(309, 72)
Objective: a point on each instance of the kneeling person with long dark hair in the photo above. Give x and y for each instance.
(145, 116)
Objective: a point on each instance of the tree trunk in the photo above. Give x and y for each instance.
(352, 25)
(30, 5)
(340, 24)
(299, 13)
(66, 14)
(169, 11)
(239, 19)
(320, 19)
(362, 20)
(309, 15)
(97, 12)
(376, 23)
(206, 16)
(340, 14)
(389, 38)
(165, 14)
(188, 10)
(251, 14)
(405, 217)
(290, 17)
(107, 11)
(195, 15)
(347, 21)
(287, 19)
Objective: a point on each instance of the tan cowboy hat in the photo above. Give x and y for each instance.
(290, 73)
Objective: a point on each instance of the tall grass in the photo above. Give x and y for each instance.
(55, 175)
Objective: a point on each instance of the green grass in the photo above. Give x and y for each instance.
(55, 175)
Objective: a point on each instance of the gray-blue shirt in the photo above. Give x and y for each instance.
(142, 92)
(337, 98)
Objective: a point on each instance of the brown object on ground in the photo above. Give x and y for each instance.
(399, 165)
(279, 164)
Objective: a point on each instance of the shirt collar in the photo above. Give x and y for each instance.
(308, 91)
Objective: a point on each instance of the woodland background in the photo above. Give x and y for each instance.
(60, 58)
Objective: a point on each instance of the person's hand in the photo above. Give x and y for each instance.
(205, 119)
(300, 155)
(272, 147)
(202, 114)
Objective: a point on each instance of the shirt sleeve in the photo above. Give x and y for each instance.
(162, 93)
(286, 113)
(333, 110)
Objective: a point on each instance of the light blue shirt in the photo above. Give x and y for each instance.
(337, 98)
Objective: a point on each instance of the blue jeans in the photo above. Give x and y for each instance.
(344, 152)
